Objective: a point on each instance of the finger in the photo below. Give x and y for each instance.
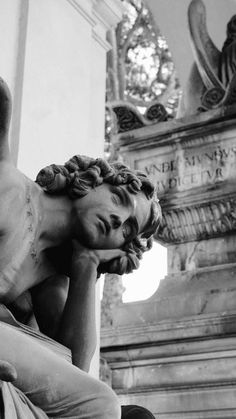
(114, 253)
(107, 255)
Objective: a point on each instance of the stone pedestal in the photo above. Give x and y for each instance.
(175, 353)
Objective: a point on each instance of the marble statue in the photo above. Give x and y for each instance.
(212, 82)
(56, 236)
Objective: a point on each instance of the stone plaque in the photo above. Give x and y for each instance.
(186, 167)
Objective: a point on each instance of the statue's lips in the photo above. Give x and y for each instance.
(104, 225)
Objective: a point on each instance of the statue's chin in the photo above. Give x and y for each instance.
(89, 235)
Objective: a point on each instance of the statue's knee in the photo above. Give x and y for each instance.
(107, 403)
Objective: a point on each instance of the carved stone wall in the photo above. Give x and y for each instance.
(175, 352)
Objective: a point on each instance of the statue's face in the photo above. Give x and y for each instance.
(110, 216)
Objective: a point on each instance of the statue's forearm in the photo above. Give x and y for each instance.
(77, 328)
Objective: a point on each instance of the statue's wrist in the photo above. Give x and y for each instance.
(86, 257)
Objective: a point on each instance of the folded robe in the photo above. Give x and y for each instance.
(16, 404)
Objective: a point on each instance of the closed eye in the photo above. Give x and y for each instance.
(117, 197)
(121, 196)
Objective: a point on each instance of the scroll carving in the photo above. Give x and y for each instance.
(156, 113)
(129, 118)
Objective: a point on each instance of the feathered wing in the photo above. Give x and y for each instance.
(5, 115)
(205, 52)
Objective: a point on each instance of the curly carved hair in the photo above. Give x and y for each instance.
(80, 174)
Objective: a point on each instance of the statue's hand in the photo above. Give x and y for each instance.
(7, 372)
(96, 256)
(105, 260)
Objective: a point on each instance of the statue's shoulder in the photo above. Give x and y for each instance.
(10, 176)
(13, 193)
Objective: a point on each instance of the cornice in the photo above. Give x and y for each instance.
(178, 130)
(101, 41)
(169, 330)
(108, 12)
(101, 15)
(85, 12)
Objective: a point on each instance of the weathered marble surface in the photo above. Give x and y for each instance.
(178, 379)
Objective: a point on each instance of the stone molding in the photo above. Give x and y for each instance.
(187, 403)
(166, 352)
(101, 16)
(108, 11)
(172, 376)
(183, 129)
(199, 221)
(166, 373)
(171, 330)
(105, 45)
(79, 6)
(107, 14)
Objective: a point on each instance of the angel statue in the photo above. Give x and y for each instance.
(212, 82)
(56, 236)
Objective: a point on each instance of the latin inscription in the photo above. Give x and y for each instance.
(184, 170)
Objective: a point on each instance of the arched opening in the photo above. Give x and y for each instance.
(141, 284)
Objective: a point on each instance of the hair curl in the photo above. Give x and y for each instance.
(80, 174)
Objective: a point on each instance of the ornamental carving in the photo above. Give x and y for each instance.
(156, 113)
(198, 222)
(129, 118)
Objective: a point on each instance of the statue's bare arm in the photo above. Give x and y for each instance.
(77, 328)
(65, 307)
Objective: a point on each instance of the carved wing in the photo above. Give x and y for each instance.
(205, 52)
(230, 96)
(5, 114)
